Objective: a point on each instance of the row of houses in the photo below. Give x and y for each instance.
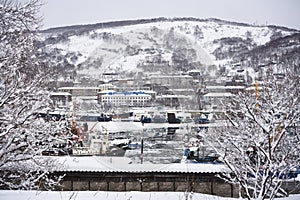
(174, 91)
(211, 95)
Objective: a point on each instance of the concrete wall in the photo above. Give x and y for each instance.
(220, 189)
(179, 182)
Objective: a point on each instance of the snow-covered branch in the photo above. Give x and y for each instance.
(260, 144)
(23, 79)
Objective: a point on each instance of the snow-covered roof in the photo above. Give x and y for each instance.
(78, 98)
(171, 76)
(225, 87)
(253, 88)
(60, 94)
(172, 96)
(120, 126)
(121, 164)
(113, 126)
(139, 92)
(79, 88)
(106, 91)
(220, 94)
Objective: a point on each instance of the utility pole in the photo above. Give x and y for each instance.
(142, 150)
(142, 146)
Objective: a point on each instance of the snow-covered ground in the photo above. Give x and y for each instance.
(93, 195)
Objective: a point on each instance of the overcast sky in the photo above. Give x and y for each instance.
(72, 12)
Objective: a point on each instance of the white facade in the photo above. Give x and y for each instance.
(80, 91)
(61, 99)
(217, 100)
(106, 87)
(125, 98)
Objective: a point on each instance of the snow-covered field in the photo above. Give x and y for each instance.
(93, 195)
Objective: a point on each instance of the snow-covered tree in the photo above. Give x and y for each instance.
(261, 142)
(23, 83)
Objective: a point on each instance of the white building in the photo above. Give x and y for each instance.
(135, 98)
(61, 99)
(216, 98)
(80, 91)
(107, 86)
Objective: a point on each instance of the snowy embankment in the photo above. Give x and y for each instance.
(91, 195)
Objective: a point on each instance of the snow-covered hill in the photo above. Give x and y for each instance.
(182, 43)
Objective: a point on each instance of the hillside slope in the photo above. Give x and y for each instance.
(179, 44)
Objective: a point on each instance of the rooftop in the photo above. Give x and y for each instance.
(122, 164)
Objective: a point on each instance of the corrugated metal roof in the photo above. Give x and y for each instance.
(122, 164)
